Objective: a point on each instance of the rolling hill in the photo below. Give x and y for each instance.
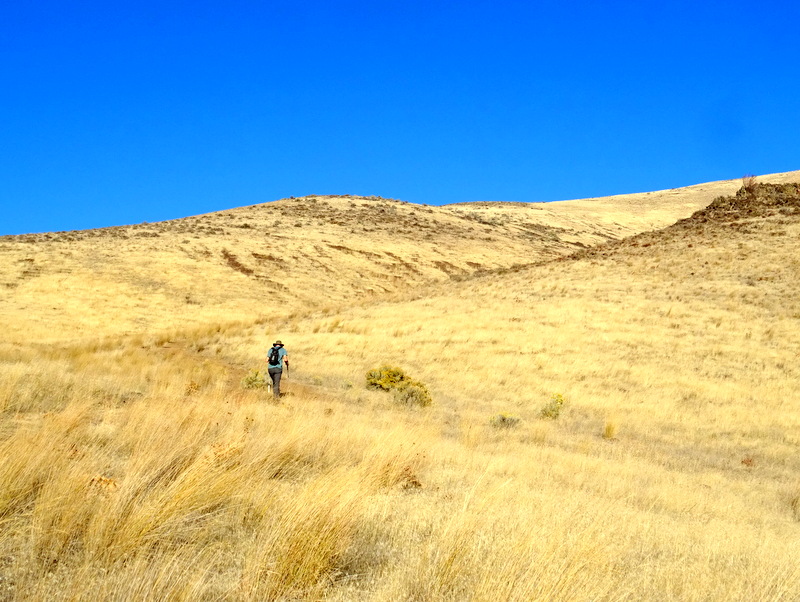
(296, 254)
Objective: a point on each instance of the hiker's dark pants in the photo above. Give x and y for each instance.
(275, 375)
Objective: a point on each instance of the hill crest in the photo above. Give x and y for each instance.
(299, 254)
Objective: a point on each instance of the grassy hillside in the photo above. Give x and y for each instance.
(139, 466)
(293, 254)
(296, 253)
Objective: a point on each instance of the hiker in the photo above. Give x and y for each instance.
(276, 357)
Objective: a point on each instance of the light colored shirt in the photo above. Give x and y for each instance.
(281, 354)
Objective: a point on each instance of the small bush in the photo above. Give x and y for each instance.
(406, 390)
(504, 421)
(412, 393)
(553, 408)
(256, 379)
(386, 378)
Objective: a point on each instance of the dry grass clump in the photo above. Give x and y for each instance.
(301, 548)
(610, 430)
(504, 421)
(794, 502)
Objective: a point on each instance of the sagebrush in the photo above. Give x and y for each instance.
(405, 390)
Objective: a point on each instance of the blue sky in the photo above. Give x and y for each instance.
(118, 112)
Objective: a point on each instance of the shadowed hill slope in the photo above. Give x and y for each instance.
(746, 246)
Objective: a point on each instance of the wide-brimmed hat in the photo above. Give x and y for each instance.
(277, 343)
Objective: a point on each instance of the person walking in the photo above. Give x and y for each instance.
(276, 358)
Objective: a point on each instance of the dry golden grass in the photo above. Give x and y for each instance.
(308, 252)
(137, 467)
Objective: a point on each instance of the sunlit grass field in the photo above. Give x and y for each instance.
(139, 467)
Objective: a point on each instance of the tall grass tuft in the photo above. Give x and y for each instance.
(303, 540)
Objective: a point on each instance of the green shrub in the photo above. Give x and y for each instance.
(504, 421)
(405, 390)
(256, 379)
(553, 408)
(412, 393)
(386, 378)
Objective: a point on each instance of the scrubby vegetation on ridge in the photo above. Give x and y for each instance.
(753, 200)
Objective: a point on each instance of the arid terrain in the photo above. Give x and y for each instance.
(299, 254)
(615, 402)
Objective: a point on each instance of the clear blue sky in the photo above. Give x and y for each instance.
(122, 112)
